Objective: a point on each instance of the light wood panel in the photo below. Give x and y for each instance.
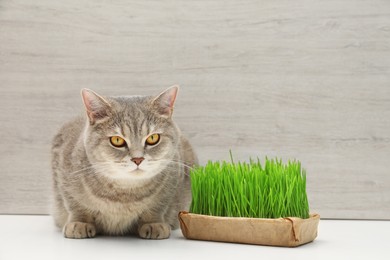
(295, 79)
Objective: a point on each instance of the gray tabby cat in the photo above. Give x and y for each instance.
(122, 169)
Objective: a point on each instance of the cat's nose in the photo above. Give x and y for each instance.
(138, 160)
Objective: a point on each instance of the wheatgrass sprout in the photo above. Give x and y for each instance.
(253, 190)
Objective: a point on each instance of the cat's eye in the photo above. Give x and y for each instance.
(117, 141)
(152, 139)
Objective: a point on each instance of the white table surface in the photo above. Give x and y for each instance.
(35, 237)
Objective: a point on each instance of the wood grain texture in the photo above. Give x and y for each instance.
(295, 79)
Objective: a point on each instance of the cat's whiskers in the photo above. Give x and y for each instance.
(122, 163)
(88, 168)
(180, 163)
(175, 162)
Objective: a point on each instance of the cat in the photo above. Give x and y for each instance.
(123, 168)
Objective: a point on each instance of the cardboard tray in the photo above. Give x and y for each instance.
(287, 232)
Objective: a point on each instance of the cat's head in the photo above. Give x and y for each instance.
(131, 137)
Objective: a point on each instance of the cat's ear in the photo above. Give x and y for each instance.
(164, 102)
(96, 106)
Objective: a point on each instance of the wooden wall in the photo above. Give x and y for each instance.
(305, 79)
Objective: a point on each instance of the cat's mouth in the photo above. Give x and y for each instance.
(137, 171)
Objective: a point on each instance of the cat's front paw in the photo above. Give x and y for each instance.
(79, 230)
(154, 231)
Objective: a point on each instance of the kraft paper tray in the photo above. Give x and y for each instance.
(287, 232)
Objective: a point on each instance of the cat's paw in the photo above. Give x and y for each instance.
(154, 231)
(79, 230)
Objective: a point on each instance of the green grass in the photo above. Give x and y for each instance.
(272, 190)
